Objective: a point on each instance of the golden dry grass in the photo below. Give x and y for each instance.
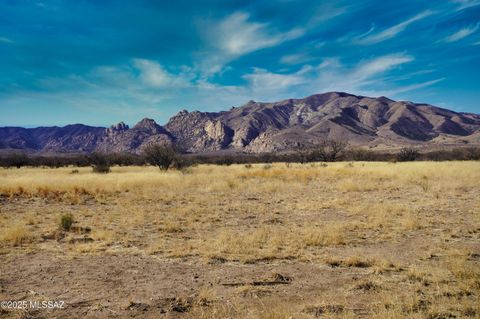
(15, 234)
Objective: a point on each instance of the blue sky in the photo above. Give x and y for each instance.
(101, 62)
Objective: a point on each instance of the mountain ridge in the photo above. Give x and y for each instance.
(266, 127)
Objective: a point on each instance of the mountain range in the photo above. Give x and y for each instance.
(256, 127)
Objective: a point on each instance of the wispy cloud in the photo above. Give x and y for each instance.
(141, 84)
(148, 83)
(237, 35)
(5, 40)
(327, 11)
(154, 74)
(380, 65)
(330, 63)
(462, 33)
(465, 4)
(372, 78)
(366, 76)
(391, 32)
(330, 75)
(295, 58)
(265, 82)
(412, 87)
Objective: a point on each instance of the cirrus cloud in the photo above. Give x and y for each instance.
(236, 35)
(462, 33)
(391, 32)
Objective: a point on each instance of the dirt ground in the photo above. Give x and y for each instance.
(343, 240)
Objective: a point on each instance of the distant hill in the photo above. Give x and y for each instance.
(266, 127)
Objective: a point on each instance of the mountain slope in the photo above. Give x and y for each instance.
(261, 127)
(283, 125)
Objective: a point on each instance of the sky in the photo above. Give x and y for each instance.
(102, 62)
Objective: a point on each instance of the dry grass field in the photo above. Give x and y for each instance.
(336, 240)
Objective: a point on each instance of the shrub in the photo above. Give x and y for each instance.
(328, 151)
(224, 160)
(101, 168)
(325, 151)
(162, 156)
(302, 155)
(125, 159)
(100, 163)
(470, 153)
(15, 160)
(407, 154)
(366, 155)
(356, 261)
(66, 221)
(181, 163)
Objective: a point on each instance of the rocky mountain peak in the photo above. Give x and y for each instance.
(119, 127)
(180, 116)
(384, 99)
(147, 125)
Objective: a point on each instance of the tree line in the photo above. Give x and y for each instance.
(167, 157)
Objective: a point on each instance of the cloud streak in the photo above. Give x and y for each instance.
(391, 32)
(462, 33)
(296, 58)
(380, 65)
(465, 4)
(412, 87)
(5, 40)
(237, 35)
(330, 75)
(154, 75)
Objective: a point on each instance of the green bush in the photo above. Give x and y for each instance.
(163, 156)
(66, 221)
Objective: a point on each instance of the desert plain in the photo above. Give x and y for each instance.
(281, 240)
